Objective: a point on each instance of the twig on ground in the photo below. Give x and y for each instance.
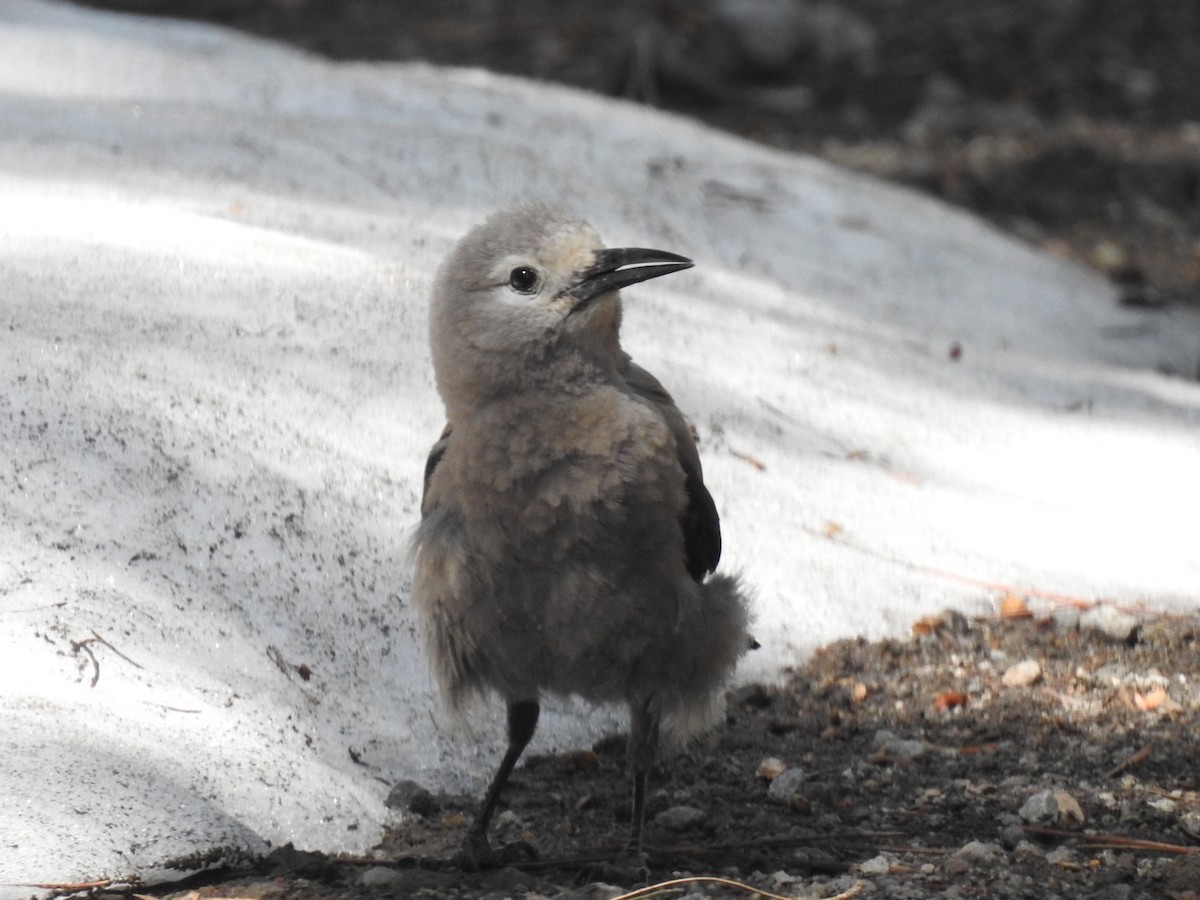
(1110, 841)
(1130, 761)
(85, 646)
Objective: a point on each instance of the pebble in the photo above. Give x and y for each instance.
(1060, 856)
(379, 876)
(1028, 850)
(800, 804)
(1163, 805)
(786, 785)
(980, 853)
(681, 818)
(412, 796)
(1053, 805)
(1190, 823)
(771, 768)
(877, 865)
(1012, 835)
(898, 748)
(1022, 674)
(781, 879)
(1119, 627)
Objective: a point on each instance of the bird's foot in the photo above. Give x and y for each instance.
(476, 853)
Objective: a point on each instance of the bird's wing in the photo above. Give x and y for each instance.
(700, 522)
(436, 452)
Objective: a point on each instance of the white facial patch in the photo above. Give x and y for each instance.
(572, 248)
(563, 255)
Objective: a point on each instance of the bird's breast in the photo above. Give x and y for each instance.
(537, 465)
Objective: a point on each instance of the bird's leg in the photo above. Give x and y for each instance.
(643, 746)
(522, 722)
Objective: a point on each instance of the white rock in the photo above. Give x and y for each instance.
(1053, 805)
(1022, 674)
(1109, 622)
(876, 865)
(1163, 805)
(1060, 856)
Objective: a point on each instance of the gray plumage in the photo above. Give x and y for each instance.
(567, 538)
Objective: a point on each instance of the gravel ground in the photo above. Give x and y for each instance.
(1040, 754)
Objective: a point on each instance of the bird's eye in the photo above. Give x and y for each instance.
(524, 279)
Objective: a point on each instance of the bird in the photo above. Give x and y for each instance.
(567, 543)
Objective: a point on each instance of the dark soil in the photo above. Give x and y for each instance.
(1074, 124)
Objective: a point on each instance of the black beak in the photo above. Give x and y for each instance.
(618, 268)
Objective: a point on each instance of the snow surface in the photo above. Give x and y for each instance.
(217, 400)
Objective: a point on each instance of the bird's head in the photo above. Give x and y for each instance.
(529, 298)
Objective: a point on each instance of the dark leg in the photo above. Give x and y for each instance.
(522, 722)
(643, 747)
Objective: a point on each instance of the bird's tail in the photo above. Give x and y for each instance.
(707, 654)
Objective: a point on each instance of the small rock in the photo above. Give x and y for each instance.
(379, 876)
(681, 818)
(411, 796)
(878, 865)
(956, 866)
(980, 854)
(786, 785)
(771, 768)
(1012, 835)
(1190, 823)
(1061, 856)
(1022, 674)
(1118, 627)
(781, 879)
(1113, 674)
(897, 748)
(1053, 805)
(1163, 805)
(1028, 850)
(798, 803)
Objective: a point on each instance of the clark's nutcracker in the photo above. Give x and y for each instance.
(567, 539)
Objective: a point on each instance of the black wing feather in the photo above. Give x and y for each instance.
(701, 525)
(436, 452)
